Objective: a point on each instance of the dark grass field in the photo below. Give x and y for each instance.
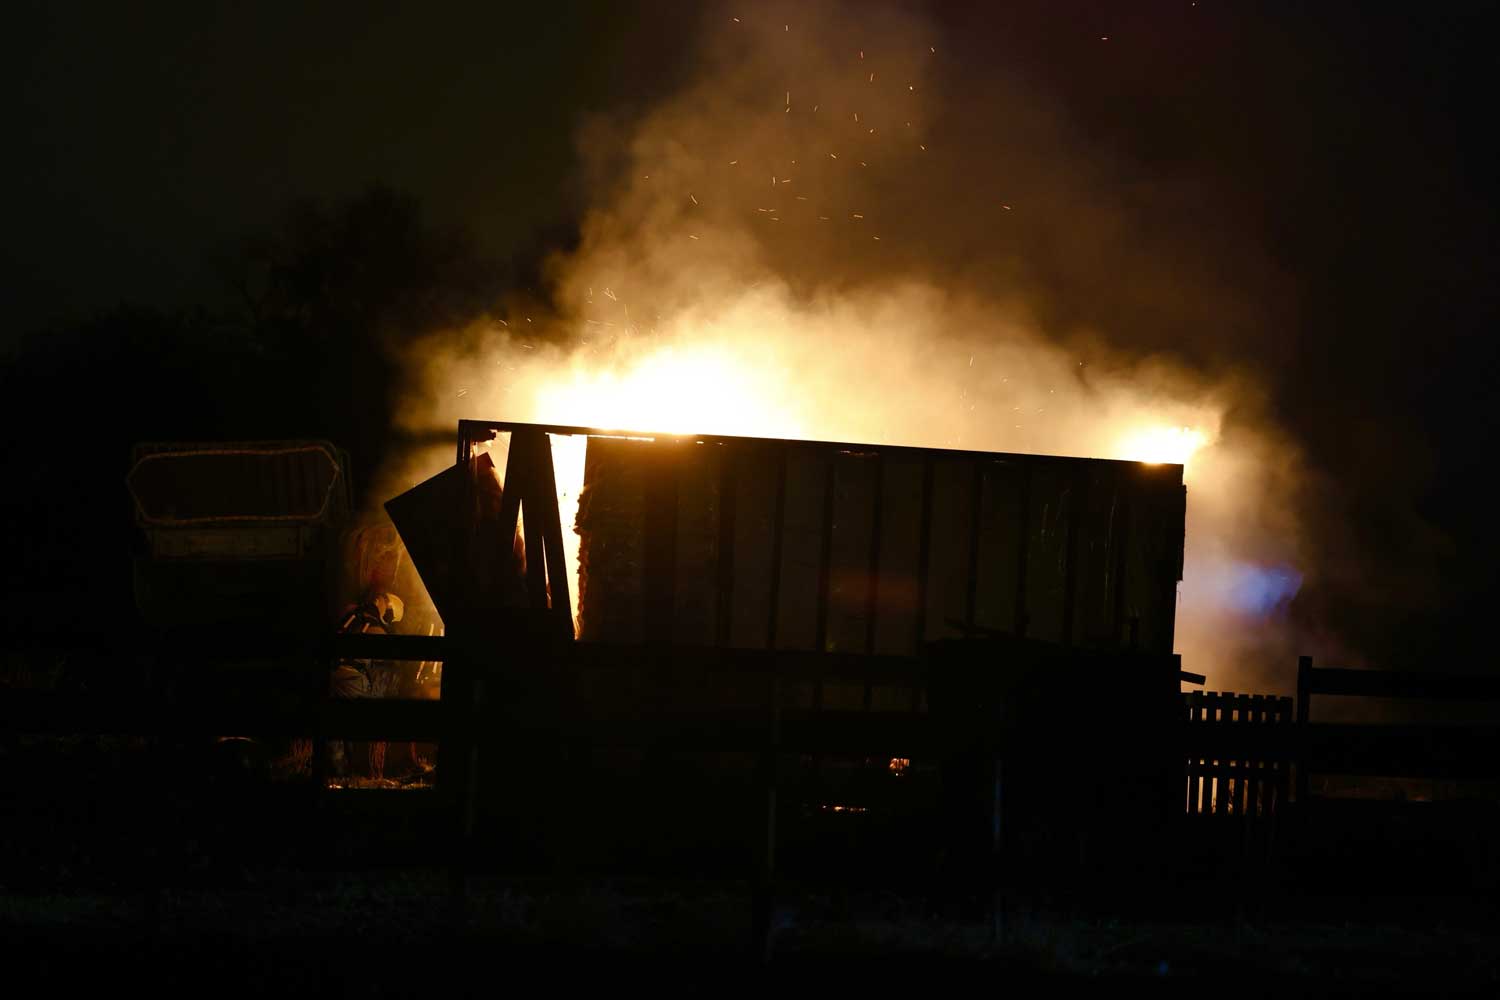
(396, 932)
(123, 863)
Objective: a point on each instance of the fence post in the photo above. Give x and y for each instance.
(765, 868)
(997, 848)
(318, 688)
(457, 769)
(1304, 713)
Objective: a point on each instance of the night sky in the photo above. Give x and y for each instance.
(1348, 146)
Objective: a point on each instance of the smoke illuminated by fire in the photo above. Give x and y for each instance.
(797, 267)
(1174, 445)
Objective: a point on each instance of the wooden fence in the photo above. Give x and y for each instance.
(1245, 775)
(498, 702)
(1461, 750)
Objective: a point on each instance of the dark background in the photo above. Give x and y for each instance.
(220, 212)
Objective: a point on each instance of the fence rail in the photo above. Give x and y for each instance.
(1462, 751)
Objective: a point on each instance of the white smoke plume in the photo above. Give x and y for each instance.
(821, 237)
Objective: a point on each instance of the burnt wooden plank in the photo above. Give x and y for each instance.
(524, 470)
(514, 487)
(552, 534)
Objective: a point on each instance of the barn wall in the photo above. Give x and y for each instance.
(678, 544)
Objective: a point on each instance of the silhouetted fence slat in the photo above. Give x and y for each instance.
(1236, 745)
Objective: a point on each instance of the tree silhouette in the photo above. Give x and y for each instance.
(323, 297)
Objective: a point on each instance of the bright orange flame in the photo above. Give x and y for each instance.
(700, 389)
(675, 390)
(1162, 445)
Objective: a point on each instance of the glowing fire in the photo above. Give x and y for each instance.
(678, 390)
(1162, 445)
(737, 386)
(696, 304)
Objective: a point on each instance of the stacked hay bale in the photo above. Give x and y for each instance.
(648, 556)
(611, 554)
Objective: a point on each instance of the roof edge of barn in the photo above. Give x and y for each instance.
(467, 428)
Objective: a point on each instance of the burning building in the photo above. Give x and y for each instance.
(900, 581)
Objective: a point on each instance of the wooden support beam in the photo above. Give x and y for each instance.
(545, 495)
